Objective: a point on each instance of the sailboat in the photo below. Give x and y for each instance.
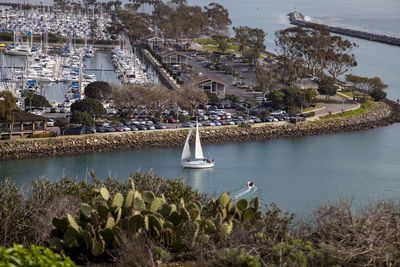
(199, 161)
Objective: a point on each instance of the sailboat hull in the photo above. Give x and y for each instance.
(197, 164)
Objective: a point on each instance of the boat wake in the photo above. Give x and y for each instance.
(244, 192)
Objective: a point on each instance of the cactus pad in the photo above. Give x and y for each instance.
(117, 201)
(242, 204)
(129, 199)
(86, 210)
(104, 193)
(223, 200)
(148, 196)
(98, 247)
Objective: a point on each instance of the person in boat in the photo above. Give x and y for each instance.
(250, 184)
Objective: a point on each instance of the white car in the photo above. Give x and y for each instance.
(126, 129)
(50, 122)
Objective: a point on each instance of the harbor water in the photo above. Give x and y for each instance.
(298, 174)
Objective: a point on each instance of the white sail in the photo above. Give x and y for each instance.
(198, 151)
(186, 149)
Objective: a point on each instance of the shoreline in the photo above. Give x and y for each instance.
(383, 114)
(297, 18)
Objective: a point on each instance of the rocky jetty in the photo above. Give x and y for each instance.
(297, 18)
(382, 114)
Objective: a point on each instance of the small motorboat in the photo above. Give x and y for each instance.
(250, 184)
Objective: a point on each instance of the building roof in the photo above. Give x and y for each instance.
(22, 116)
(170, 53)
(204, 79)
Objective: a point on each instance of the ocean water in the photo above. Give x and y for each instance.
(299, 174)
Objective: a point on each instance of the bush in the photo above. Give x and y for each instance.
(17, 255)
(43, 135)
(308, 114)
(5, 137)
(236, 257)
(378, 94)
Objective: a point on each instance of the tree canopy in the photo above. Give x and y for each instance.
(89, 105)
(82, 118)
(36, 101)
(98, 90)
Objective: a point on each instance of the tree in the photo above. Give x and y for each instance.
(63, 123)
(241, 37)
(98, 90)
(327, 87)
(28, 99)
(7, 108)
(264, 114)
(190, 97)
(310, 95)
(291, 67)
(233, 98)
(366, 85)
(223, 44)
(213, 99)
(34, 100)
(338, 57)
(293, 97)
(89, 105)
(251, 42)
(218, 17)
(127, 98)
(378, 94)
(158, 98)
(82, 118)
(276, 96)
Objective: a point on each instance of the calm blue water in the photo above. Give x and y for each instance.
(298, 174)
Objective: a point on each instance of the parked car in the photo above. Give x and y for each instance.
(126, 129)
(109, 129)
(133, 127)
(209, 123)
(217, 123)
(150, 127)
(187, 125)
(142, 127)
(50, 122)
(160, 126)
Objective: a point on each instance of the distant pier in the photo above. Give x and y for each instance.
(297, 18)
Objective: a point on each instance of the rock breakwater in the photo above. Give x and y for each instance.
(297, 18)
(382, 114)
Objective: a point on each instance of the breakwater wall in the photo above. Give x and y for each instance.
(382, 114)
(297, 18)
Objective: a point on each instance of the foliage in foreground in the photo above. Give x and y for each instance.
(149, 220)
(17, 255)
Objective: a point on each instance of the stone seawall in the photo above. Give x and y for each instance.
(297, 18)
(382, 114)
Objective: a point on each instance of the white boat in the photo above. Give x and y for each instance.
(199, 161)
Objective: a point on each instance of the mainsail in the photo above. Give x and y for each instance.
(186, 149)
(198, 151)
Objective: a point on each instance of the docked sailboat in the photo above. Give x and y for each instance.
(199, 161)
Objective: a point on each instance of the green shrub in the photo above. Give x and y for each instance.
(236, 257)
(17, 255)
(43, 135)
(309, 114)
(5, 137)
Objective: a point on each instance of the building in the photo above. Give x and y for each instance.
(155, 42)
(174, 58)
(210, 84)
(25, 125)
